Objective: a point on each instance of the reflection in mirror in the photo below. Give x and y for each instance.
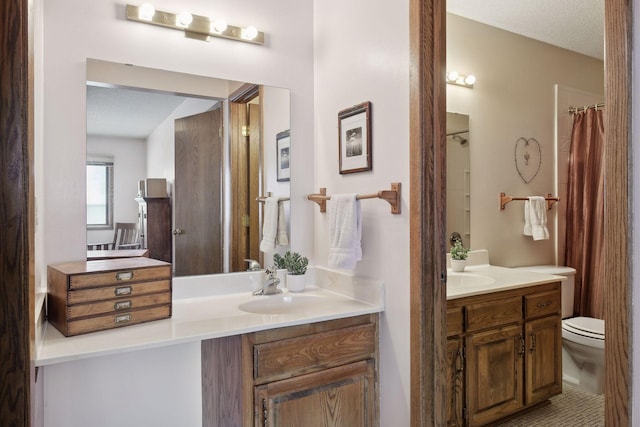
(190, 155)
(458, 178)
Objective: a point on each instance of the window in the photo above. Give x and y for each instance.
(99, 195)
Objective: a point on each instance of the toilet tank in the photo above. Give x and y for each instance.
(567, 284)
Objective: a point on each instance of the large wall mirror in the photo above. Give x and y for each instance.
(458, 178)
(187, 161)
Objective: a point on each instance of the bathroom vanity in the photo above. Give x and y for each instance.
(315, 374)
(225, 357)
(504, 344)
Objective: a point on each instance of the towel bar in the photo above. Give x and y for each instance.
(391, 196)
(506, 199)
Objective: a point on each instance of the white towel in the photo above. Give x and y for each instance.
(269, 224)
(345, 231)
(538, 217)
(527, 219)
(282, 237)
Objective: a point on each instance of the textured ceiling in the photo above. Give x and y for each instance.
(127, 113)
(576, 25)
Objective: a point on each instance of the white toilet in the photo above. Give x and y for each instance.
(582, 337)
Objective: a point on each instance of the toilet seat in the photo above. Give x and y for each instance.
(584, 330)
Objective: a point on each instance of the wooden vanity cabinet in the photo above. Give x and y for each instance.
(509, 346)
(318, 374)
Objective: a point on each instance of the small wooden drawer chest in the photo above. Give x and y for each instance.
(89, 296)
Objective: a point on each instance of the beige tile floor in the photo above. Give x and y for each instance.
(573, 408)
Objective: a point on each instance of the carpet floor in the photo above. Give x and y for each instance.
(572, 408)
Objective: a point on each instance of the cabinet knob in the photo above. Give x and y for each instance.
(177, 231)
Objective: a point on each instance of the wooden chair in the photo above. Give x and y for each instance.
(125, 236)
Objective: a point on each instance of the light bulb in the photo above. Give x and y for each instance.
(470, 79)
(146, 11)
(250, 33)
(184, 19)
(452, 76)
(219, 26)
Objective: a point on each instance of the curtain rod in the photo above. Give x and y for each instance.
(574, 110)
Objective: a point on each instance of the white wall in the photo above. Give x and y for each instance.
(356, 61)
(75, 30)
(129, 166)
(101, 31)
(512, 98)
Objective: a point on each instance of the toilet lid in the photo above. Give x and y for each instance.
(587, 326)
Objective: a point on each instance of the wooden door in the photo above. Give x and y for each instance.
(246, 141)
(337, 397)
(198, 194)
(543, 358)
(455, 385)
(494, 374)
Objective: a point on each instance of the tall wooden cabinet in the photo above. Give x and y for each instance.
(504, 352)
(315, 375)
(154, 219)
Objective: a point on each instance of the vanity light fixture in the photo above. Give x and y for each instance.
(194, 26)
(459, 80)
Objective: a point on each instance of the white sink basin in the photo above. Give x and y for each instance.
(468, 279)
(281, 304)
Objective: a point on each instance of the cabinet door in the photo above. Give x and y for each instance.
(337, 397)
(544, 358)
(494, 374)
(455, 386)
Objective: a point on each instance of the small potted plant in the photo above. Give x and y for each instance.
(458, 256)
(296, 266)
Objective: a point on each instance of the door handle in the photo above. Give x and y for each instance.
(177, 231)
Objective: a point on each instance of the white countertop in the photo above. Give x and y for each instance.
(493, 279)
(209, 311)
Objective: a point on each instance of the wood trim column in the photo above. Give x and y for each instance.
(618, 246)
(428, 210)
(16, 213)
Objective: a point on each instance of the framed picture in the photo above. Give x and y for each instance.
(283, 158)
(354, 138)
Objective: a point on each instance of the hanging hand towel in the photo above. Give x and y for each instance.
(538, 217)
(345, 231)
(527, 219)
(283, 238)
(269, 224)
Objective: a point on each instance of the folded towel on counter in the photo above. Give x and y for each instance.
(282, 237)
(345, 231)
(269, 224)
(538, 217)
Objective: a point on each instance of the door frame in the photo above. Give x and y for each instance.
(427, 222)
(17, 270)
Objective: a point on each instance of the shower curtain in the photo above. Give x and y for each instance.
(585, 212)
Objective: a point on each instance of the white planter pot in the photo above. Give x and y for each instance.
(458, 265)
(296, 282)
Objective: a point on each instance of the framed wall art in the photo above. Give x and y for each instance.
(354, 138)
(283, 158)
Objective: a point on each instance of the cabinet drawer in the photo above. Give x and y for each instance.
(119, 291)
(116, 320)
(118, 305)
(118, 277)
(493, 313)
(455, 321)
(542, 304)
(310, 353)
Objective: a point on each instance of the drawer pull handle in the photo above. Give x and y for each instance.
(124, 275)
(123, 290)
(122, 305)
(544, 304)
(124, 318)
